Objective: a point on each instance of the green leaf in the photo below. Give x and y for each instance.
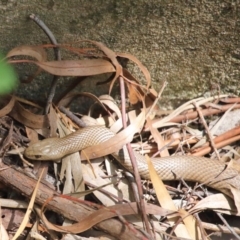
(8, 77)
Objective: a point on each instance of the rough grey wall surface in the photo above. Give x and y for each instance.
(194, 45)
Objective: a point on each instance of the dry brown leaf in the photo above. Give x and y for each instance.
(134, 95)
(115, 143)
(109, 101)
(106, 213)
(71, 96)
(112, 56)
(131, 117)
(27, 118)
(86, 67)
(217, 202)
(25, 101)
(236, 197)
(8, 107)
(36, 52)
(135, 92)
(140, 65)
(32, 135)
(52, 119)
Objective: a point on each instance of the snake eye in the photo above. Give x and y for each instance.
(37, 156)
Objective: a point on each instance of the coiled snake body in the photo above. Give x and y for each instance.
(198, 169)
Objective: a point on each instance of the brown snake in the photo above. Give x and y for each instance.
(198, 169)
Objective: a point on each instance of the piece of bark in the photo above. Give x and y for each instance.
(71, 210)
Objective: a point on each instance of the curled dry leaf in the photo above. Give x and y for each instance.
(217, 202)
(86, 67)
(109, 101)
(28, 118)
(140, 65)
(106, 213)
(113, 58)
(36, 52)
(8, 107)
(72, 96)
(135, 90)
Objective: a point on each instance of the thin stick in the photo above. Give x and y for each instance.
(228, 226)
(207, 130)
(215, 228)
(133, 184)
(73, 117)
(133, 160)
(199, 223)
(107, 192)
(226, 135)
(48, 32)
(218, 145)
(20, 155)
(157, 99)
(53, 40)
(205, 112)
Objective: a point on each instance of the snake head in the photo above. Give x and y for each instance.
(42, 150)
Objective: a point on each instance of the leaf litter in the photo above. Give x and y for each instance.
(113, 200)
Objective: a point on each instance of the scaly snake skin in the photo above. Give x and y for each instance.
(198, 169)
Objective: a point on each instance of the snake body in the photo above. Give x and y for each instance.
(213, 173)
